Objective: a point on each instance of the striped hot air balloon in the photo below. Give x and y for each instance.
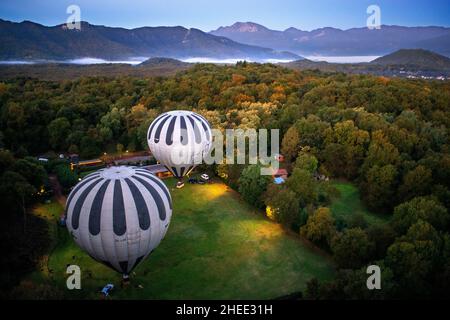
(179, 140)
(119, 215)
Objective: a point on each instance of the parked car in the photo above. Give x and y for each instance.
(193, 180)
(107, 289)
(204, 177)
(180, 184)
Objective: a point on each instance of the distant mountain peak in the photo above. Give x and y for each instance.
(292, 29)
(329, 41)
(159, 61)
(415, 57)
(329, 29)
(243, 27)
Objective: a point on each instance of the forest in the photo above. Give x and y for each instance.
(388, 136)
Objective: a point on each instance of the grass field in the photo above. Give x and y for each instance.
(349, 204)
(217, 247)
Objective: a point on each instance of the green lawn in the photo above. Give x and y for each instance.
(217, 247)
(349, 204)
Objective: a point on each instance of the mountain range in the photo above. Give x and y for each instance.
(31, 41)
(336, 42)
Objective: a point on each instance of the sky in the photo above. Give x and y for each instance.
(210, 14)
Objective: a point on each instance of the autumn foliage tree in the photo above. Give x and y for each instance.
(320, 227)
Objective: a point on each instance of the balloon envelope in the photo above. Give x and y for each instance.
(179, 140)
(119, 215)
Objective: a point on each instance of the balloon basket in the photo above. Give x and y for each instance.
(125, 280)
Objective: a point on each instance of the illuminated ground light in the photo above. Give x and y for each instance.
(212, 191)
(271, 213)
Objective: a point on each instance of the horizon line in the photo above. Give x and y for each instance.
(260, 24)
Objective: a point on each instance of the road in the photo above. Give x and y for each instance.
(57, 190)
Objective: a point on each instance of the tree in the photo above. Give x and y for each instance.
(416, 182)
(283, 203)
(304, 185)
(17, 192)
(141, 131)
(320, 227)
(111, 124)
(290, 145)
(312, 289)
(89, 147)
(354, 142)
(352, 249)
(403, 140)
(407, 120)
(333, 157)
(230, 174)
(443, 272)
(6, 160)
(311, 131)
(351, 284)
(252, 185)
(32, 170)
(413, 259)
(326, 192)
(21, 152)
(66, 177)
(420, 208)
(442, 193)
(382, 236)
(138, 121)
(73, 149)
(306, 161)
(381, 152)
(379, 187)
(29, 290)
(58, 131)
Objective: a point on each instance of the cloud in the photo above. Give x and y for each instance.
(343, 59)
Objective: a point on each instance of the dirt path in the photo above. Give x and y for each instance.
(57, 189)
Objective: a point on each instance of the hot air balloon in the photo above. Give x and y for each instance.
(179, 140)
(119, 215)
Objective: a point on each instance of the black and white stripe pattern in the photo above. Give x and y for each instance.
(119, 215)
(179, 140)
